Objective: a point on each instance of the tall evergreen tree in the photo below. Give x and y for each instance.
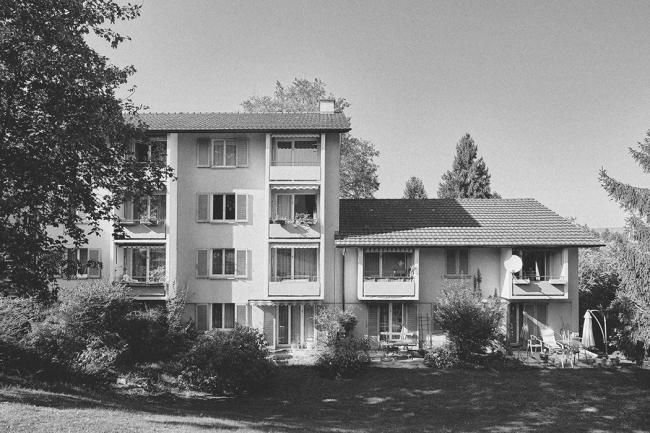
(415, 189)
(469, 176)
(633, 297)
(358, 169)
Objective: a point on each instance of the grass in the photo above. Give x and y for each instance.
(382, 399)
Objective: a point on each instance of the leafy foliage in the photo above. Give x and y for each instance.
(469, 176)
(222, 362)
(358, 170)
(414, 189)
(64, 135)
(339, 353)
(472, 324)
(632, 300)
(445, 356)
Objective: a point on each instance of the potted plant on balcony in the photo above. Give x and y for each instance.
(303, 220)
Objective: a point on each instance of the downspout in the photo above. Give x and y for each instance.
(343, 279)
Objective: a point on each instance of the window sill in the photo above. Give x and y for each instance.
(224, 277)
(521, 281)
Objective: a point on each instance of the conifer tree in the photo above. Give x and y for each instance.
(414, 189)
(469, 176)
(633, 297)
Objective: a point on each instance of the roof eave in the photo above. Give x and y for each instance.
(255, 130)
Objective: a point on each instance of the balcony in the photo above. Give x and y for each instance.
(287, 229)
(389, 288)
(299, 287)
(294, 171)
(146, 290)
(543, 288)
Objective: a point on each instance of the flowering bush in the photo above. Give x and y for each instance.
(445, 356)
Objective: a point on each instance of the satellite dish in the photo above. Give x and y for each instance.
(513, 264)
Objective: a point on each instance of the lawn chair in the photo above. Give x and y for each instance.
(551, 346)
(533, 343)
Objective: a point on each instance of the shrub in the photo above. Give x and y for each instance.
(445, 356)
(222, 362)
(472, 324)
(338, 352)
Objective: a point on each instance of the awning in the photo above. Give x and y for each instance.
(135, 243)
(296, 245)
(388, 250)
(268, 302)
(294, 136)
(300, 187)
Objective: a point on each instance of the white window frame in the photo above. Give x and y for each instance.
(148, 265)
(225, 143)
(303, 334)
(381, 264)
(293, 205)
(293, 148)
(390, 334)
(457, 273)
(150, 143)
(77, 252)
(223, 315)
(241, 148)
(274, 271)
(223, 263)
(136, 219)
(211, 216)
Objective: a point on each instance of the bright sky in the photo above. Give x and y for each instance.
(550, 91)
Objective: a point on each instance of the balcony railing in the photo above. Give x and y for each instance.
(295, 163)
(295, 170)
(299, 286)
(386, 287)
(542, 286)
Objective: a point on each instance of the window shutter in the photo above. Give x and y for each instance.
(202, 317)
(411, 318)
(242, 207)
(268, 325)
(373, 331)
(463, 261)
(203, 207)
(242, 154)
(241, 315)
(241, 263)
(127, 210)
(95, 271)
(203, 152)
(201, 263)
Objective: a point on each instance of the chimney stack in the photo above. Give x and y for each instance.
(327, 106)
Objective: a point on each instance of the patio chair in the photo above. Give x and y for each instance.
(533, 343)
(551, 346)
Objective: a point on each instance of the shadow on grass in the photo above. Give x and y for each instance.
(297, 399)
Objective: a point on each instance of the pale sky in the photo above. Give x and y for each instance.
(550, 91)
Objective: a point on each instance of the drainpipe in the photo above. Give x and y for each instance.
(343, 279)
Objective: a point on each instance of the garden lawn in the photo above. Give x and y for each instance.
(381, 399)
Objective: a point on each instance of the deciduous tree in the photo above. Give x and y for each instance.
(358, 169)
(469, 176)
(64, 134)
(414, 189)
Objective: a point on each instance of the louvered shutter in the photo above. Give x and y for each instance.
(241, 315)
(241, 263)
(411, 318)
(242, 207)
(203, 207)
(373, 330)
(268, 325)
(203, 152)
(202, 317)
(242, 154)
(127, 210)
(94, 269)
(202, 263)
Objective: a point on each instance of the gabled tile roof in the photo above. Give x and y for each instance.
(447, 222)
(245, 122)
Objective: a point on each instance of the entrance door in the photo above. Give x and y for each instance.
(391, 321)
(525, 319)
(295, 325)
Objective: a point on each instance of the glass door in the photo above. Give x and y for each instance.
(283, 324)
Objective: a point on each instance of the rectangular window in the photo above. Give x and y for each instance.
(390, 321)
(224, 207)
(457, 262)
(223, 316)
(146, 209)
(297, 264)
(82, 263)
(221, 153)
(296, 206)
(221, 263)
(296, 152)
(537, 264)
(155, 149)
(144, 265)
(387, 265)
